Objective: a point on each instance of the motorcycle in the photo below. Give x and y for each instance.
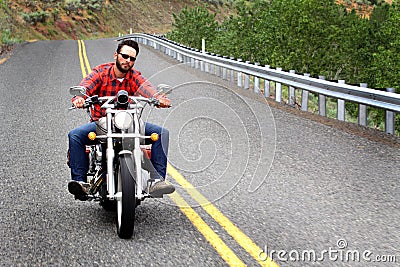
(119, 159)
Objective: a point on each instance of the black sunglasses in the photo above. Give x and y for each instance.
(125, 56)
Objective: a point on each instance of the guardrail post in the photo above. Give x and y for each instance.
(304, 96)
(362, 110)
(232, 73)
(278, 90)
(389, 120)
(170, 52)
(292, 92)
(186, 60)
(212, 67)
(224, 72)
(341, 110)
(192, 62)
(322, 101)
(247, 79)
(256, 81)
(239, 75)
(267, 85)
(218, 68)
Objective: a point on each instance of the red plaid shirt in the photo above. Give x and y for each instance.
(102, 82)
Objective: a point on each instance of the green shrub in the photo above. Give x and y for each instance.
(72, 6)
(7, 39)
(35, 17)
(94, 7)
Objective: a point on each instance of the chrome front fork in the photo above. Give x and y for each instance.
(110, 159)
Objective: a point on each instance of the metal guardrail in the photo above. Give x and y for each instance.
(247, 75)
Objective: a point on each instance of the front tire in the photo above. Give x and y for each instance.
(126, 197)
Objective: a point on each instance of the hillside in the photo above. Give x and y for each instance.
(83, 19)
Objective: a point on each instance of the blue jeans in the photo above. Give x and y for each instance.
(78, 160)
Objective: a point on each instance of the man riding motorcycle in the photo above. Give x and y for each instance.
(107, 80)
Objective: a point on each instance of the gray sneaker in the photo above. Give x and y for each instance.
(78, 189)
(160, 188)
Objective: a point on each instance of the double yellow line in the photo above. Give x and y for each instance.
(223, 250)
(219, 245)
(83, 59)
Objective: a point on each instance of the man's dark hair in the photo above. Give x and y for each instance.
(130, 43)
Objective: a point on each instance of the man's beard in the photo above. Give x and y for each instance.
(119, 67)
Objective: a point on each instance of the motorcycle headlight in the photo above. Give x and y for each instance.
(123, 120)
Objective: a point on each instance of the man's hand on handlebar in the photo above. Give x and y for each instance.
(79, 102)
(164, 102)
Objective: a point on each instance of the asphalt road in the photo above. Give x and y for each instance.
(293, 186)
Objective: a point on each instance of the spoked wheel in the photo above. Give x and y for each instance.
(125, 196)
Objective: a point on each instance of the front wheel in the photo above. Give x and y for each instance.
(125, 195)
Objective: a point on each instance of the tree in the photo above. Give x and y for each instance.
(192, 25)
(385, 66)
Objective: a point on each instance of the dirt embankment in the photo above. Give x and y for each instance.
(29, 19)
